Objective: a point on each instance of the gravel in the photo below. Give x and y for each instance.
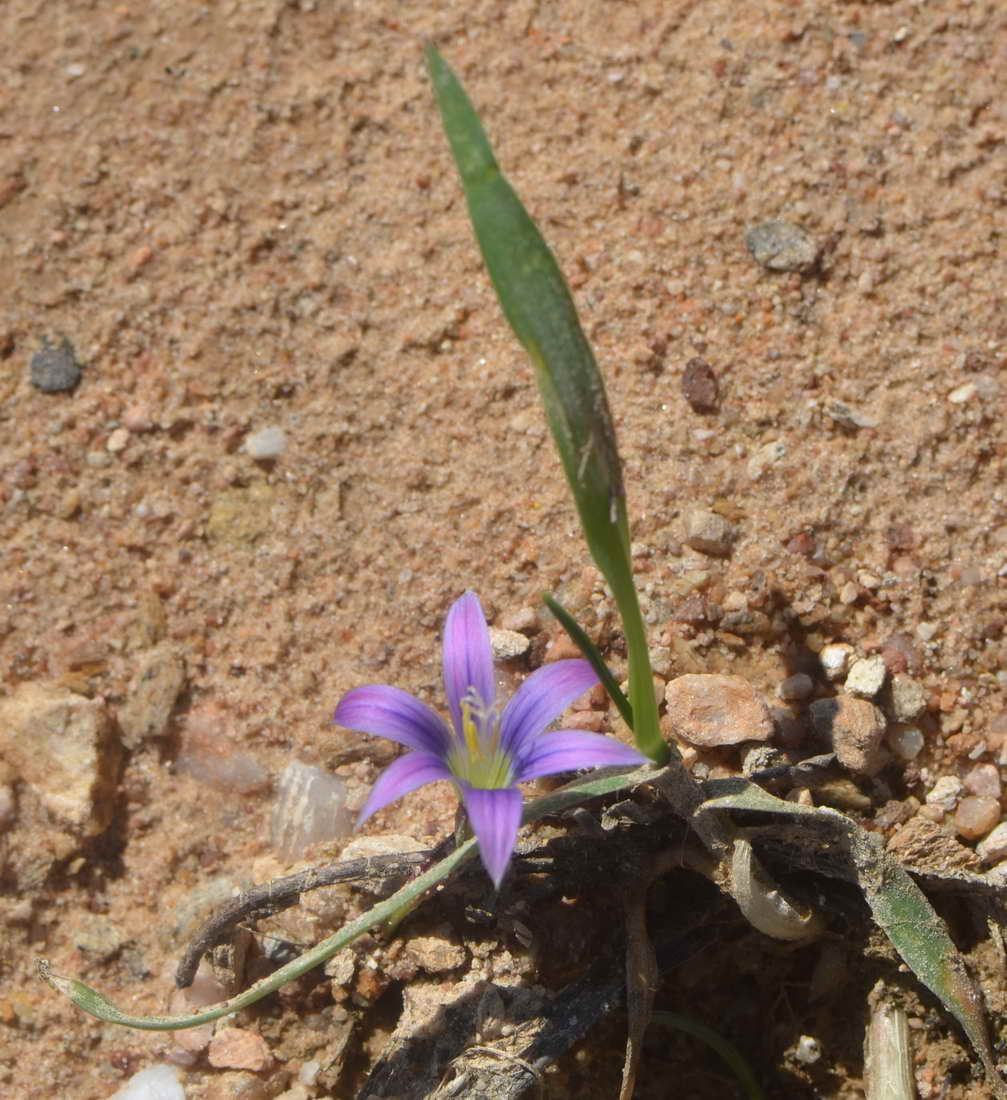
(266, 444)
(867, 677)
(855, 729)
(782, 246)
(709, 533)
(699, 386)
(54, 367)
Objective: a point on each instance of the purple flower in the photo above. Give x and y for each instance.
(486, 752)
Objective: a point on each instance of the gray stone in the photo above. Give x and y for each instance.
(782, 246)
(796, 688)
(710, 710)
(855, 729)
(54, 367)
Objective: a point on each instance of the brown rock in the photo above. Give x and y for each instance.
(237, 1048)
(63, 746)
(438, 953)
(921, 843)
(699, 386)
(709, 710)
(709, 533)
(159, 680)
(855, 729)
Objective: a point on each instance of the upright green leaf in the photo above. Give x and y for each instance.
(539, 307)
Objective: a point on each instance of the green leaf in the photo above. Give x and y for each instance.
(898, 905)
(728, 1052)
(601, 782)
(539, 307)
(590, 651)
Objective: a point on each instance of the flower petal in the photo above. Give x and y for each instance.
(393, 713)
(468, 659)
(542, 698)
(570, 750)
(400, 777)
(495, 817)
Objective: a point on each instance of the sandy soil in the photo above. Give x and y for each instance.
(243, 216)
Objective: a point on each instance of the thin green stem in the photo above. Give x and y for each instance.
(727, 1051)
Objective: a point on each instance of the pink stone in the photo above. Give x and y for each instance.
(983, 780)
(976, 816)
(709, 710)
(236, 1048)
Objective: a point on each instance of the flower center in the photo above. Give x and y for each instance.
(477, 758)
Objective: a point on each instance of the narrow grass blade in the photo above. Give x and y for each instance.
(540, 309)
(590, 651)
(727, 1051)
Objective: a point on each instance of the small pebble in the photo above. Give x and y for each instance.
(945, 793)
(117, 441)
(709, 710)
(238, 1048)
(796, 688)
(923, 842)
(905, 741)
(158, 1082)
(767, 455)
(310, 808)
(855, 729)
(866, 677)
(760, 758)
(699, 386)
(54, 367)
(909, 700)
(782, 246)
(267, 443)
(437, 954)
(97, 936)
(976, 816)
(508, 644)
(962, 394)
(847, 416)
(709, 533)
(983, 780)
(526, 620)
(808, 1050)
(993, 848)
(835, 659)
